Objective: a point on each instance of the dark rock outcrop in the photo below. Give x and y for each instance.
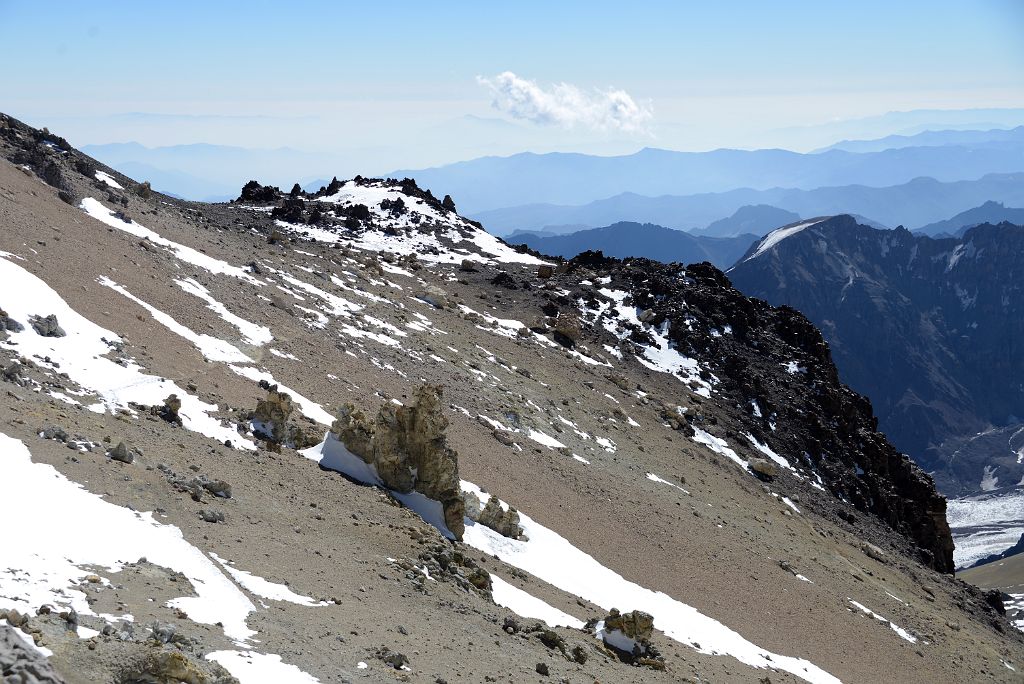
(259, 194)
(778, 359)
(47, 326)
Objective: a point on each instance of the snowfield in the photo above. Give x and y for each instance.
(779, 234)
(985, 525)
(82, 354)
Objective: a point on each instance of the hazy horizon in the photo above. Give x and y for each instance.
(375, 88)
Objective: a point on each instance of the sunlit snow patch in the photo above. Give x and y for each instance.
(654, 478)
(77, 531)
(718, 445)
(105, 177)
(81, 352)
(662, 356)
(265, 588)
(544, 439)
(778, 235)
(767, 451)
(904, 634)
(212, 348)
(554, 560)
(249, 667)
(254, 334)
(95, 209)
(529, 606)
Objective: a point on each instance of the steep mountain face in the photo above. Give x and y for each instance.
(989, 212)
(755, 219)
(831, 427)
(929, 329)
(627, 239)
(236, 439)
(913, 204)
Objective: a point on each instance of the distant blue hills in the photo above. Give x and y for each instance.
(913, 204)
(484, 184)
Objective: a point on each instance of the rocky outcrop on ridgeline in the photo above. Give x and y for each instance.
(775, 359)
(408, 448)
(259, 194)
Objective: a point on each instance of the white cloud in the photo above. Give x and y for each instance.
(566, 105)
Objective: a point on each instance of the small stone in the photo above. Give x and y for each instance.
(211, 516)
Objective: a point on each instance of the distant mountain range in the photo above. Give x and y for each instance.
(754, 219)
(930, 330)
(628, 239)
(989, 212)
(930, 139)
(488, 183)
(912, 204)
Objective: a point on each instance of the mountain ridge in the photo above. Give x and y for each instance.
(923, 325)
(915, 203)
(187, 380)
(572, 178)
(629, 239)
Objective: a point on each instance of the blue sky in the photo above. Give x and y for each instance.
(392, 84)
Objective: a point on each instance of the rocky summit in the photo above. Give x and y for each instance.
(349, 435)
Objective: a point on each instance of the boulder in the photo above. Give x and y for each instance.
(567, 329)
(493, 515)
(20, 663)
(434, 296)
(545, 271)
(637, 625)
(408, 448)
(47, 326)
(9, 324)
(169, 412)
(628, 635)
(270, 419)
(763, 468)
(121, 453)
(259, 194)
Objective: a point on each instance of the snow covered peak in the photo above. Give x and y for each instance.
(384, 216)
(779, 234)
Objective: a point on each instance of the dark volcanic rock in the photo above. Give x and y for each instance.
(814, 414)
(47, 326)
(259, 194)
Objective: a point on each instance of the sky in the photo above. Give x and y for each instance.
(380, 86)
